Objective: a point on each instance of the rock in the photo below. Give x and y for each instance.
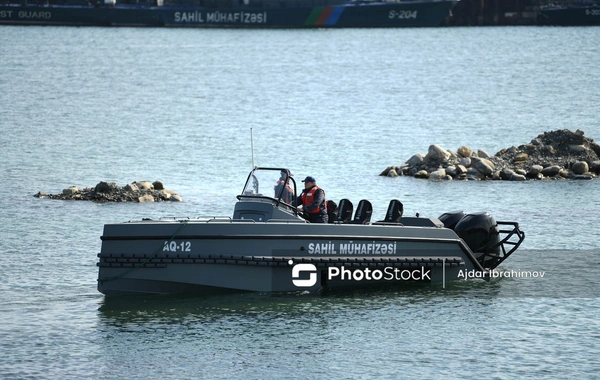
(580, 167)
(392, 173)
(451, 171)
(437, 175)
(143, 185)
(105, 187)
(157, 185)
(461, 169)
(482, 153)
(551, 171)
(40, 194)
(437, 153)
(131, 187)
(474, 174)
(484, 167)
(386, 171)
(547, 156)
(416, 160)
(583, 176)
(534, 170)
(146, 198)
(71, 190)
(110, 192)
(421, 174)
(465, 151)
(175, 198)
(465, 161)
(521, 157)
(517, 177)
(506, 174)
(577, 149)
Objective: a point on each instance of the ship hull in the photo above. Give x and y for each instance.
(412, 14)
(577, 16)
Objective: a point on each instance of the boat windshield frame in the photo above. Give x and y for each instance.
(263, 183)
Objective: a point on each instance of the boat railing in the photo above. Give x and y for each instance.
(288, 221)
(508, 240)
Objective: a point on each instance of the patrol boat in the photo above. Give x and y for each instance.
(267, 246)
(228, 13)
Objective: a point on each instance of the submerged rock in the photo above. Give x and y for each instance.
(139, 191)
(552, 155)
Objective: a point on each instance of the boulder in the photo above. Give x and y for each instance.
(157, 185)
(482, 153)
(416, 160)
(465, 161)
(534, 170)
(175, 198)
(465, 151)
(421, 174)
(70, 190)
(484, 167)
(131, 187)
(392, 173)
(521, 157)
(580, 167)
(517, 177)
(551, 171)
(146, 198)
(143, 185)
(105, 187)
(438, 175)
(474, 174)
(437, 153)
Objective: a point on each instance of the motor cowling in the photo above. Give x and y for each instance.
(480, 232)
(450, 219)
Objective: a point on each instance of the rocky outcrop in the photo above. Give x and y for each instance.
(140, 191)
(561, 154)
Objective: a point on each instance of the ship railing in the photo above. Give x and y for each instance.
(512, 238)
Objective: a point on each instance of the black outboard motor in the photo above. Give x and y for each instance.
(363, 212)
(332, 210)
(450, 219)
(480, 232)
(345, 209)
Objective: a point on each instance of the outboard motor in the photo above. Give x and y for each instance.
(480, 232)
(345, 209)
(450, 219)
(332, 210)
(394, 211)
(363, 212)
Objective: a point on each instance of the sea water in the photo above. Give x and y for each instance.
(84, 105)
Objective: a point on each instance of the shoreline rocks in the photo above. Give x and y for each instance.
(139, 192)
(560, 154)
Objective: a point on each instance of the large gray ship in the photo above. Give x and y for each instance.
(227, 13)
(268, 246)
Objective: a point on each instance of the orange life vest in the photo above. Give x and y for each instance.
(309, 196)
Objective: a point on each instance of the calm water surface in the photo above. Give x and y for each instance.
(81, 105)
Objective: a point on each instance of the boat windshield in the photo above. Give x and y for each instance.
(272, 183)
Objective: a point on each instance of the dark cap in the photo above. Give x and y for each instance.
(309, 179)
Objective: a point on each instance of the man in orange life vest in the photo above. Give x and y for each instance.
(312, 202)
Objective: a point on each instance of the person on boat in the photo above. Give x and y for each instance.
(312, 202)
(284, 188)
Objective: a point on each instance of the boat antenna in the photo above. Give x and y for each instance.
(252, 147)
